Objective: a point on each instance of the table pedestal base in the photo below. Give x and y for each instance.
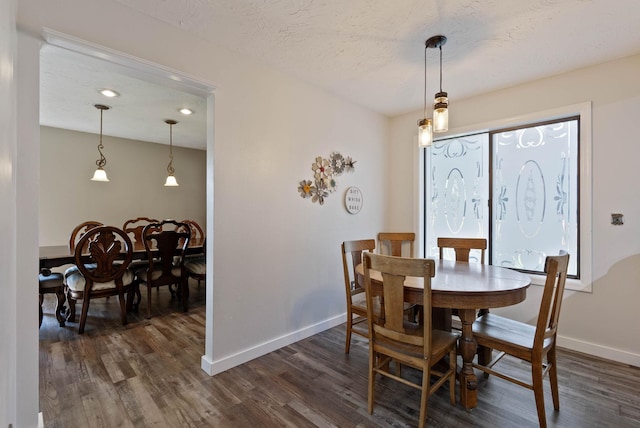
(468, 347)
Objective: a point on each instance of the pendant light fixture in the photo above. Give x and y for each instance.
(100, 174)
(426, 127)
(171, 179)
(441, 102)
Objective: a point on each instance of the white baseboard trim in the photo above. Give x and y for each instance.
(599, 351)
(40, 420)
(213, 367)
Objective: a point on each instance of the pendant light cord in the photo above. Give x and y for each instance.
(425, 81)
(170, 168)
(102, 161)
(440, 68)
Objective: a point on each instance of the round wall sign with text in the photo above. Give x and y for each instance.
(353, 200)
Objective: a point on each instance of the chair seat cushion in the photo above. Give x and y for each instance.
(142, 275)
(197, 266)
(76, 282)
(54, 280)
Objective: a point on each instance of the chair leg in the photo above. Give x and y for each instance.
(349, 324)
(60, 307)
(538, 391)
(148, 301)
(453, 365)
(123, 308)
(424, 395)
(184, 291)
(85, 311)
(553, 377)
(372, 363)
(138, 295)
(71, 317)
(40, 299)
(130, 296)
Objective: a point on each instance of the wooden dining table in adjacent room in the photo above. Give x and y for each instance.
(467, 287)
(58, 255)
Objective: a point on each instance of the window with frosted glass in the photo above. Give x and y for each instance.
(535, 195)
(456, 202)
(530, 176)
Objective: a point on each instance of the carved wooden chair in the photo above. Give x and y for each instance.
(51, 281)
(165, 243)
(390, 243)
(102, 270)
(405, 343)
(79, 231)
(196, 266)
(197, 233)
(526, 342)
(133, 227)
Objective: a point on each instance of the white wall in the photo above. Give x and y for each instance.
(11, 369)
(603, 322)
(277, 268)
(136, 171)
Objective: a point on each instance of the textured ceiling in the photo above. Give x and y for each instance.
(69, 88)
(372, 51)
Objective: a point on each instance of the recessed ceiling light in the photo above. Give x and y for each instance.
(186, 111)
(109, 93)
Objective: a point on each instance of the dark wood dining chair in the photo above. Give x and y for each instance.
(395, 339)
(196, 265)
(133, 227)
(52, 281)
(79, 231)
(165, 243)
(526, 342)
(105, 274)
(356, 298)
(197, 233)
(391, 243)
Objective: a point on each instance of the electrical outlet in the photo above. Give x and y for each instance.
(617, 219)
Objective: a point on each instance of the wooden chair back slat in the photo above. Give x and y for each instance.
(394, 241)
(462, 247)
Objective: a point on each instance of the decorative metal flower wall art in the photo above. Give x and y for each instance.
(324, 173)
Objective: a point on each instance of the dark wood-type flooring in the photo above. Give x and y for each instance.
(147, 374)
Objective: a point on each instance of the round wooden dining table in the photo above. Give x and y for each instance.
(466, 287)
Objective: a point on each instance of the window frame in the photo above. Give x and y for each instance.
(583, 112)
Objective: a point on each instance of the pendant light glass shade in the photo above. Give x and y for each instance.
(425, 132)
(100, 174)
(171, 179)
(441, 113)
